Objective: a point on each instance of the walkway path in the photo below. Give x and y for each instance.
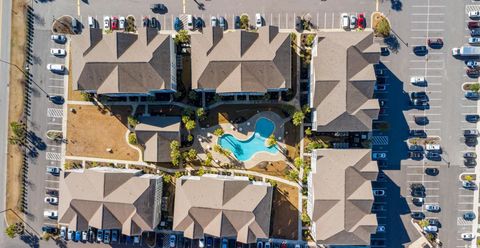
(168, 170)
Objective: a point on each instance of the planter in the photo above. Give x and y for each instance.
(54, 135)
(464, 177)
(469, 86)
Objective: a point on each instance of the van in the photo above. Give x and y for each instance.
(91, 22)
(345, 20)
(190, 22)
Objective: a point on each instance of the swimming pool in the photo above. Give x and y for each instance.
(245, 149)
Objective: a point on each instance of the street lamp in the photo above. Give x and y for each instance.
(26, 75)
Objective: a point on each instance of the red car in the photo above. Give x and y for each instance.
(472, 25)
(114, 23)
(361, 22)
(435, 42)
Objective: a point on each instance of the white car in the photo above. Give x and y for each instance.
(55, 67)
(190, 22)
(345, 21)
(432, 207)
(121, 22)
(59, 38)
(106, 23)
(353, 22)
(474, 41)
(58, 52)
(84, 236)
(467, 236)
(70, 234)
(432, 147)
(51, 200)
(430, 229)
(53, 170)
(213, 21)
(417, 80)
(380, 229)
(378, 192)
(474, 14)
(258, 20)
(52, 214)
(379, 155)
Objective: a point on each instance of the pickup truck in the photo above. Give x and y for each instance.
(417, 80)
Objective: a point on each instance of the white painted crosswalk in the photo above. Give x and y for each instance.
(469, 8)
(53, 156)
(55, 112)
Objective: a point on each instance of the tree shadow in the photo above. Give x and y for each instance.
(392, 43)
(30, 239)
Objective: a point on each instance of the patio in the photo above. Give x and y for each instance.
(205, 140)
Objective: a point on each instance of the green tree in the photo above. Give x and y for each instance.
(201, 172)
(218, 132)
(175, 154)
(298, 162)
(244, 22)
(383, 27)
(271, 140)
(298, 117)
(174, 145)
(167, 178)
(190, 138)
(132, 139)
(475, 87)
(468, 178)
(11, 231)
(182, 37)
(201, 115)
(308, 131)
(309, 40)
(189, 125)
(293, 175)
(306, 109)
(192, 154)
(185, 118)
(132, 121)
(423, 223)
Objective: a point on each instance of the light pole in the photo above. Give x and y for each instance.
(26, 75)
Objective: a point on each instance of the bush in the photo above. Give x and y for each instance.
(130, 27)
(182, 37)
(308, 131)
(189, 125)
(201, 114)
(298, 162)
(293, 175)
(132, 121)
(475, 87)
(309, 40)
(271, 140)
(218, 132)
(86, 96)
(132, 139)
(244, 22)
(298, 118)
(383, 28)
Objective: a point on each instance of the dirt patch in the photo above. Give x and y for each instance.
(73, 95)
(92, 130)
(63, 25)
(284, 218)
(277, 169)
(15, 107)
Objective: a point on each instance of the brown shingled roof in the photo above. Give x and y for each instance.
(121, 62)
(240, 61)
(343, 81)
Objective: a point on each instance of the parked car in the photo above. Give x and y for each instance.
(345, 21)
(172, 240)
(106, 236)
(52, 214)
(58, 52)
(201, 242)
(418, 80)
(474, 40)
(473, 73)
(418, 193)
(419, 102)
(177, 24)
(432, 207)
(91, 236)
(432, 147)
(415, 155)
(59, 100)
(298, 23)
(190, 22)
(63, 232)
(470, 155)
(471, 140)
(136, 240)
(420, 50)
(379, 155)
(415, 148)
(435, 42)
(417, 215)
(379, 192)
(467, 236)
(53, 170)
(146, 21)
(380, 87)
(384, 51)
(259, 244)
(418, 133)
(472, 118)
(470, 132)
(419, 95)
(469, 185)
(52, 192)
(56, 67)
(475, 32)
(225, 243)
(222, 23)
(469, 216)
(473, 24)
(59, 38)
(114, 236)
(114, 23)
(84, 236)
(52, 200)
(470, 162)
(432, 171)
(209, 242)
(199, 23)
(474, 14)
(213, 21)
(434, 156)
(353, 22)
(51, 230)
(154, 23)
(418, 201)
(471, 95)
(430, 229)
(99, 235)
(361, 21)
(78, 236)
(421, 120)
(417, 186)
(472, 64)
(121, 22)
(380, 229)
(258, 20)
(70, 235)
(158, 7)
(236, 22)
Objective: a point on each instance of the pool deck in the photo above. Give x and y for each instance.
(205, 140)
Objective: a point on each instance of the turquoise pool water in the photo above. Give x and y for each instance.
(245, 149)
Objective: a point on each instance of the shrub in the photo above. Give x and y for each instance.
(218, 132)
(190, 138)
(86, 96)
(271, 140)
(293, 175)
(244, 22)
(308, 131)
(475, 87)
(182, 37)
(298, 162)
(132, 139)
(383, 28)
(132, 121)
(201, 114)
(189, 125)
(298, 118)
(309, 40)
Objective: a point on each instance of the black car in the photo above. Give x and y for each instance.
(418, 215)
(52, 192)
(199, 23)
(470, 162)
(419, 95)
(420, 50)
(49, 229)
(418, 133)
(472, 118)
(57, 99)
(384, 51)
(435, 156)
(298, 23)
(417, 186)
(432, 171)
(418, 201)
(469, 216)
(418, 193)
(158, 7)
(434, 222)
(146, 22)
(421, 120)
(415, 155)
(470, 155)
(154, 23)
(236, 22)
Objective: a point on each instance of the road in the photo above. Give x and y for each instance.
(413, 25)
